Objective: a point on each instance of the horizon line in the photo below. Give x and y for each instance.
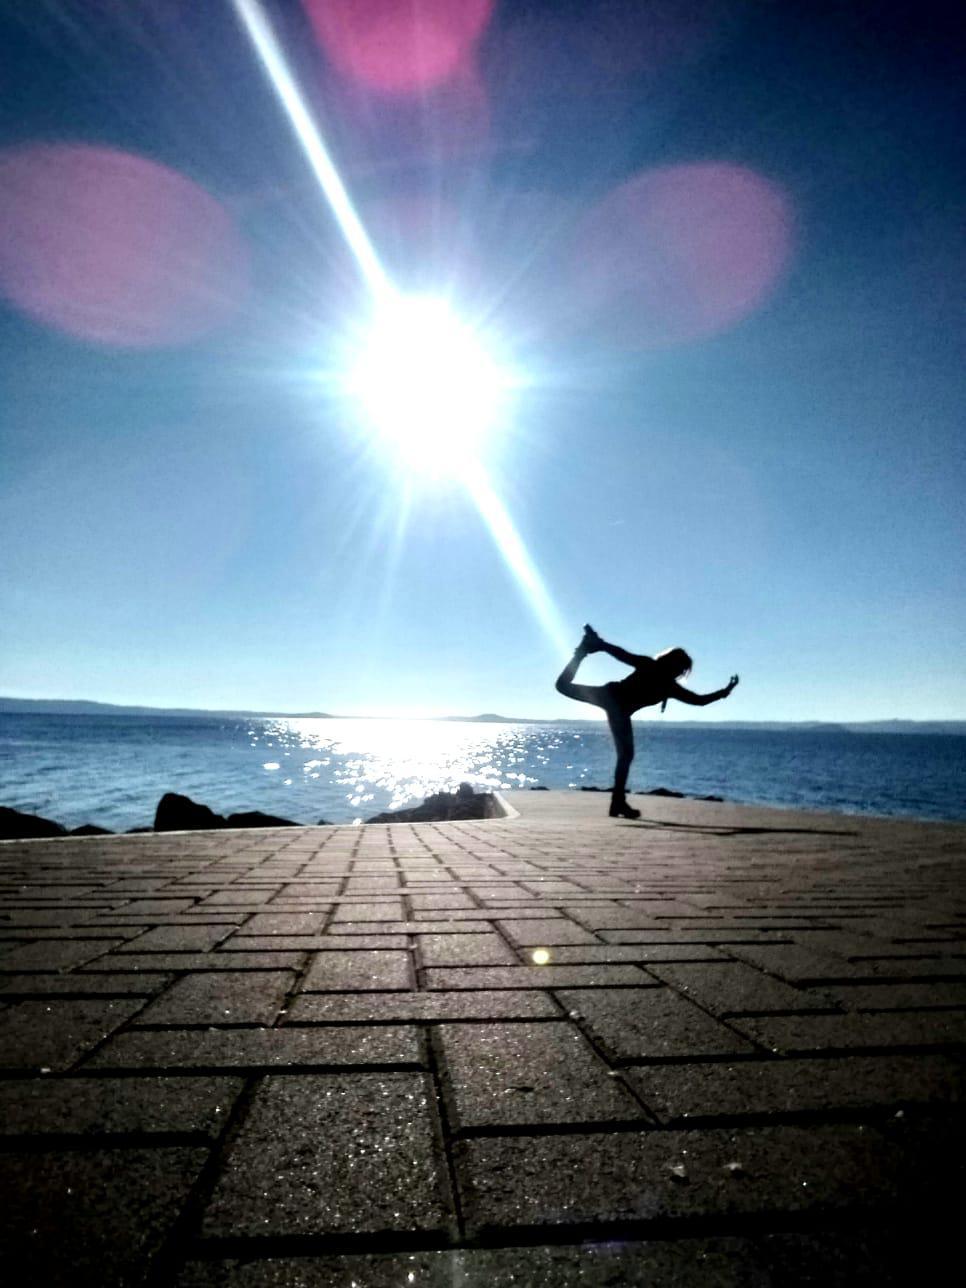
(139, 708)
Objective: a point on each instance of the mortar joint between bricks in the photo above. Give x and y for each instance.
(436, 1062)
(176, 1248)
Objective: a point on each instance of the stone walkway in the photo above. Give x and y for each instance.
(722, 1046)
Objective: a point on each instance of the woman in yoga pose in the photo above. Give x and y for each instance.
(653, 680)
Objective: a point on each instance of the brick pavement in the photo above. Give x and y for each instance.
(722, 1046)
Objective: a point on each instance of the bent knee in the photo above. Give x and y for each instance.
(564, 686)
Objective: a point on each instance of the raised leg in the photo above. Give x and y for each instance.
(593, 693)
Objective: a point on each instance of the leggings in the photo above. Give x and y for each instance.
(618, 718)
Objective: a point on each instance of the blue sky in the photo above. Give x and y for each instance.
(203, 524)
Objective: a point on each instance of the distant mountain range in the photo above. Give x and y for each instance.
(70, 707)
(78, 707)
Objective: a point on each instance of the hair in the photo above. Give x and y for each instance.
(676, 660)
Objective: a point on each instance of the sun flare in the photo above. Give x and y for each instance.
(427, 384)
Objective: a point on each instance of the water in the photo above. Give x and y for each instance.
(112, 770)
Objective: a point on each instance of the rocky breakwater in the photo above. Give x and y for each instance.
(176, 813)
(445, 807)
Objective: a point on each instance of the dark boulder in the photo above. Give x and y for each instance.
(90, 829)
(15, 826)
(663, 791)
(444, 807)
(540, 788)
(255, 818)
(181, 814)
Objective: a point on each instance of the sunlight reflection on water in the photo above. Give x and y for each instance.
(399, 761)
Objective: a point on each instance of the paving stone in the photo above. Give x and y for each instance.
(734, 988)
(683, 1263)
(440, 902)
(360, 1008)
(221, 997)
(706, 936)
(314, 943)
(489, 914)
(651, 1024)
(679, 1092)
(535, 977)
(909, 967)
(78, 985)
(932, 995)
(387, 910)
(334, 1155)
(215, 960)
(245, 899)
(499, 1075)
(232, 1049)
(58, 918)
(856, 1031)
(526, 1181)
(642, 954)
(337, 972)
(548, 932)
(54, 956)
(71, 1218)
(797, 964)
(466, 950)
(130, 1106)
(156, 907)
(54, 1034)
(285, 923)
(179, 939)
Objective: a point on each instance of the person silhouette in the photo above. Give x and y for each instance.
(653, 680)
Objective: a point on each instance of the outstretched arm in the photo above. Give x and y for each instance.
(702, 699)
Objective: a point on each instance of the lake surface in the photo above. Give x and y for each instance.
(112, 770)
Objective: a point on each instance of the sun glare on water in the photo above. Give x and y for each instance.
(427, 385)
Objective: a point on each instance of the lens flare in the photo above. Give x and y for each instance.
(399, 46)
(114, 248)
(681, 252)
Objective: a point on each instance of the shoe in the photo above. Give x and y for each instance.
(621, 809)
(591, 643)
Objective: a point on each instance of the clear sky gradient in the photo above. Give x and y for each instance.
(199, 520)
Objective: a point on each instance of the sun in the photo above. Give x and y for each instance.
(428, 387)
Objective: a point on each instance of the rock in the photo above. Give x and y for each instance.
(464, 791)
(663, 791)
(255, 818)
(15, 826)
(710, 798)
(443, 807)
(596, 789)
(90, 829)
(323, 823)
(540, 788)
(181, 814)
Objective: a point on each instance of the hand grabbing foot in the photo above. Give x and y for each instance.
(591, 643)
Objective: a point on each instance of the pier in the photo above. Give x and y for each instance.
(722, 1045)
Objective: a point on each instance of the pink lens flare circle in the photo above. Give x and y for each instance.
(681, 252)
(113, 248)
(399, 46)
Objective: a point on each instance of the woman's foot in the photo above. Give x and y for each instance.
(619, 808)
(591, 643)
